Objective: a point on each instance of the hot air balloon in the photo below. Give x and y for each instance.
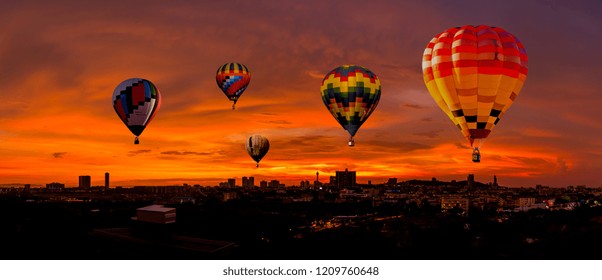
(233, 79)
(136, 102)
(474, 74)
(257, 146)
(350, 93)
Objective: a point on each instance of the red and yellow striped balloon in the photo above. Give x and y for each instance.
(474, 73)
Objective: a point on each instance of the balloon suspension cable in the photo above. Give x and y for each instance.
(351, 142)
(257, 165)
(234, 106)
(136, 141)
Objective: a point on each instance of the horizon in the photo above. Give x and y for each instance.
(61, 62)
(179, 182)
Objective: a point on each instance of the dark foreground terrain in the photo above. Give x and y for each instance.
(304, 230)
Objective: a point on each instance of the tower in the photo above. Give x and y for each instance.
(494, 181)
(317, 183)
(107, 181)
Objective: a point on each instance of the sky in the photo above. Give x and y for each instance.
(61, 60)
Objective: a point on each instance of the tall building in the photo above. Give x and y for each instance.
(470, 181)
(232, 182)
(107, 181)
(345, 178)
(248, 182)
(494, 181)
(263, 184)
(84, 182)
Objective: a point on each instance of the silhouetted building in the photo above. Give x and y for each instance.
(55, 186)
(274, 184)
(84, 182)
(345, 178)
(158, 189)
(232, 182)
(26, 187)
(229, 196)
(392, 182)
(263, 184)
(106, 181)
(248, 182)
(317, 184)
(304, 184)
(470, 181)
(157, 214)
(495, 181)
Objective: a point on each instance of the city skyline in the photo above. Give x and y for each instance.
(62, 61)
(245, 180)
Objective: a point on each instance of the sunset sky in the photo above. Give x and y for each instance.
(61, 60)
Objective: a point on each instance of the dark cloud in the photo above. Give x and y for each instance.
(59, 154)
(186, 153)
(532, 161)
(138, 152)
(562, 167)
(309, 144)
(397, 146)
(277, 122)
(428, 134)
(414, 106)
(462, 145)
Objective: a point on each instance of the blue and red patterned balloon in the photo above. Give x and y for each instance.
(136, 101)
(233, 79)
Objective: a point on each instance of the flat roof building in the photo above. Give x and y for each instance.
(157, 214)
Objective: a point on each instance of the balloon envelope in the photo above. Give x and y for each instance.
(351, 93)
(257, 147)
(474, 74)
(136, 102)
(233, 79)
